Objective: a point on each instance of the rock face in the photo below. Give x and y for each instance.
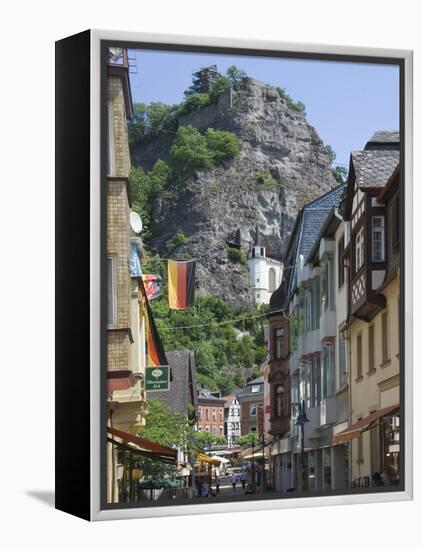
(278, 147)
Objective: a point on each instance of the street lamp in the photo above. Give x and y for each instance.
(300, 421)
(253, 470)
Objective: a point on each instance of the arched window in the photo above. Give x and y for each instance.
(272, 279)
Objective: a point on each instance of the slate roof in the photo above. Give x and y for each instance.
(247, 390)
(373, 168)
(306, 229)
(383, 139)
(204, 393)
(180, 393)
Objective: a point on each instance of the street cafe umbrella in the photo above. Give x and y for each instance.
(220, 459)
(208, 459)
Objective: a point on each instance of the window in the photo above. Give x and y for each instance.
(111, 293)
(342, 361)
(207, 413)
(359, 249)
(279, 340)
(221, 414)
(110, 141)
(341, 268)
(207, 428)
(213, 428)
(316, 303)
(199, 413)
(272, 279)
(255, 388)
(371, 348)
(279, 400)
(328, 386)
(253, 429)
(316, 382)
(359, 358)
(385, 341)
(214, 413)
(253, 410)
(396, 222)
(378, 239)
(326, 284)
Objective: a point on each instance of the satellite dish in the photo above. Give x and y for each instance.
(135, 222)
(115, 54)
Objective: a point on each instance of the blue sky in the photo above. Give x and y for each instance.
(345, 102)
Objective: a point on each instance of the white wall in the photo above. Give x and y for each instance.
(259, 277)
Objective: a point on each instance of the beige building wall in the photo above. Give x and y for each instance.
(125, 336)
(376, 388)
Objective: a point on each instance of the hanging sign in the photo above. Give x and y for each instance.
(157, 378)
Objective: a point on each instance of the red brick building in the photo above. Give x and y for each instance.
(211, 415)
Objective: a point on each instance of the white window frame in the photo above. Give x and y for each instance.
(255, 388)
(359, 250)
(378, 231)
(111, 279)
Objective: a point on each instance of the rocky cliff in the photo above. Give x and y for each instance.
(282, 164)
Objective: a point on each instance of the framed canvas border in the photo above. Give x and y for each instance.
(99, 40)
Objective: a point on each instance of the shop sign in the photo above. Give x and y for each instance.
(157, 378)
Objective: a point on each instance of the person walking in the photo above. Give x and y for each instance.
(243, 478)
(234, 479)
(217, 481)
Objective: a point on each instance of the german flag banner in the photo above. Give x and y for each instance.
(155, 350)
(181, 281)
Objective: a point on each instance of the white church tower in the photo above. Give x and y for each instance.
(265, 273)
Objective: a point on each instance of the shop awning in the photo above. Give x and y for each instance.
(208, 459)
(144, 444)
(138, 452)
(364, 424)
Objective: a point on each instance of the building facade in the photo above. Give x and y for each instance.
(301, 320)
(232, 415)
(265, 272)
(126, 401)
(211, 412)
(251, 399)
(372, 251)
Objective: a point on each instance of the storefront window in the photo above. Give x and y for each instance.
(391, 450)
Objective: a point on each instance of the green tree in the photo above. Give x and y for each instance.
(331, 153)
(248, 440)
(340, 173)
(163, 426)
(222, 145)
(202, 441)
(235, 74)
(150, 120)
(189, 153)
(221, 84)
(291, 104)
(146, 187)
(193, 103)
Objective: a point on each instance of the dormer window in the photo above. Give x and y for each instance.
(378, 239)
(255, 388)
(359, 250)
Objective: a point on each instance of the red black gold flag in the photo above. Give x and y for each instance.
(155, 350)
(181, 281)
